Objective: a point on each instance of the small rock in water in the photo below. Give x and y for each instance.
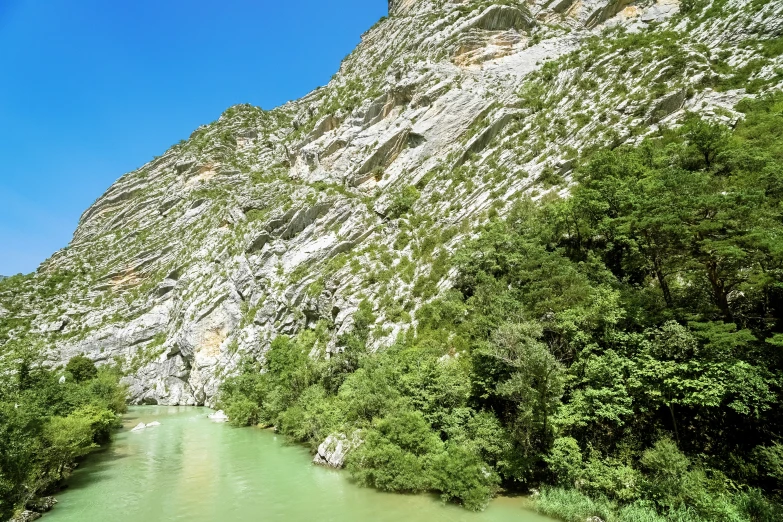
(41, 504)
(218, 416)
(140, 426)
(153, 424)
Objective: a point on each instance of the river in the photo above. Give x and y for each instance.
(191, 469)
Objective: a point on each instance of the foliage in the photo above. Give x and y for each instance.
(81, 368)
(622, 344)
(460, 474)
(402, 202)
(396, 454)
(46, 425)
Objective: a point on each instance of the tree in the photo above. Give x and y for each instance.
(706, 139)
(460, 474)
(81, 368)
(534, 384)
(67, 438)
(396, 454)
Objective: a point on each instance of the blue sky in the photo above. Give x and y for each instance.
(91, 89)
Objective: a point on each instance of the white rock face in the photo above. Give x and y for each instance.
(334, 449)
(266, 222)
(140, 426)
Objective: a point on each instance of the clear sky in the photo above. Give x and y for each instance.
(91, 89)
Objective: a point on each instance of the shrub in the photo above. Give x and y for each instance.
(756, 508)
(243, 412)
(67, 438)
(312, 418)
(402, 202)
(396, 454)
(668, 468)
(565, 461)
(81, 368)
(460, 474)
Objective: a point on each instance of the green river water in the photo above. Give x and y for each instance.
(191, 469)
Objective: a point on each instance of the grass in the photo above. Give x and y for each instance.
(571, 505)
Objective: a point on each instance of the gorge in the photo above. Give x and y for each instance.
(510, 246)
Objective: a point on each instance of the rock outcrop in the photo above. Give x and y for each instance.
(334, 449)
(267, 222)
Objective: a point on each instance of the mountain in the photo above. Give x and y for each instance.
(266, 222)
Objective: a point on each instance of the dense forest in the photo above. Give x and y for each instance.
(48, 420)
(618, 351)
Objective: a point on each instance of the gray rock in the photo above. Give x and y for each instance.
(41, 504)
(267, 222)
(332, 451)
(26, 516)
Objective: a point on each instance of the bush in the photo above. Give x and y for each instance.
(380, 464)
(66, 439)
(611, 478)
(102, 421)
(565, 461)
(81, 368)
(105, 389)
(396, 454)
(312, 418)
(402, 202)
(770, 460)
(756, 508)
(243, 412)
(668, 470)
(460, 474)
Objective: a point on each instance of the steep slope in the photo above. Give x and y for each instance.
(267, 222)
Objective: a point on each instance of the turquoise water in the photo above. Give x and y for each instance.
(191, 469)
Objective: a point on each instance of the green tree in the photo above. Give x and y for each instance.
(460, 474)
(81, 368)
(534, 384)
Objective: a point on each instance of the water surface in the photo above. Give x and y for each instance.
(191, 469)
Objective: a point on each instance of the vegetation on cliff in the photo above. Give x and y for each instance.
(46, 424)
(619, 348)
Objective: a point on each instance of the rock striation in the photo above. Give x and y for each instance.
(264, 223)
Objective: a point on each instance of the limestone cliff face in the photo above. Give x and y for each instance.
(267, 222)
(398, 6)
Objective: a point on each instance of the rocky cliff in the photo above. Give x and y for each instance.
(266, 222)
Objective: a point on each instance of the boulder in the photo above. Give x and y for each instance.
(140, 426)
(218, 416)
(334, 449)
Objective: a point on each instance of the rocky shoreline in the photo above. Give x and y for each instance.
(35, 509)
